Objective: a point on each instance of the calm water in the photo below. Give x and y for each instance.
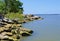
(44, 30)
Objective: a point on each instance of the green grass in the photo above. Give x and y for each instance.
(14, 15)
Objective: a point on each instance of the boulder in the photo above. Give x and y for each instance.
(7, 33)
(3, 37)
(24, 33)
(16, 20)
(24, 29)
(8, 25)
(35, 17)
(7, 21)
(2, 24)
(16, 25)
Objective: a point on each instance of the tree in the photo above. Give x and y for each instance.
(11, 6)
(2, 6)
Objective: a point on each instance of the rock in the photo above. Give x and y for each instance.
(23, 21)
(7, 40)
(12, 30)
(18, 37)
(35, 17)
(10, 39)
(7, 21)
(3, 37)
(8, 25)
(15, 21)
(2, 24)
(16, 25)
(9, 36)
(27, 30)
(25, 16)
(7, 33)
(14, 37)
(30, 32)
(1, 30)
(24, 33)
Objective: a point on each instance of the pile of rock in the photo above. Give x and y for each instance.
(31, 17)
(12, 30)
(9, 32)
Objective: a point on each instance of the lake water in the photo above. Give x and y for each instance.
(47, 29)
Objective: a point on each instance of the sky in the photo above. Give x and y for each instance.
(41, 6)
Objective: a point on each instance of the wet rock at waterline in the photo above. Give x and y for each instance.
(25, 32)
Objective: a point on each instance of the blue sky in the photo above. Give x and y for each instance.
(41, 6)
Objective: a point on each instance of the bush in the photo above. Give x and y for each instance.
(14, 16)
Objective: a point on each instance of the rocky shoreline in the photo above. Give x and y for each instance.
(12, 30)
